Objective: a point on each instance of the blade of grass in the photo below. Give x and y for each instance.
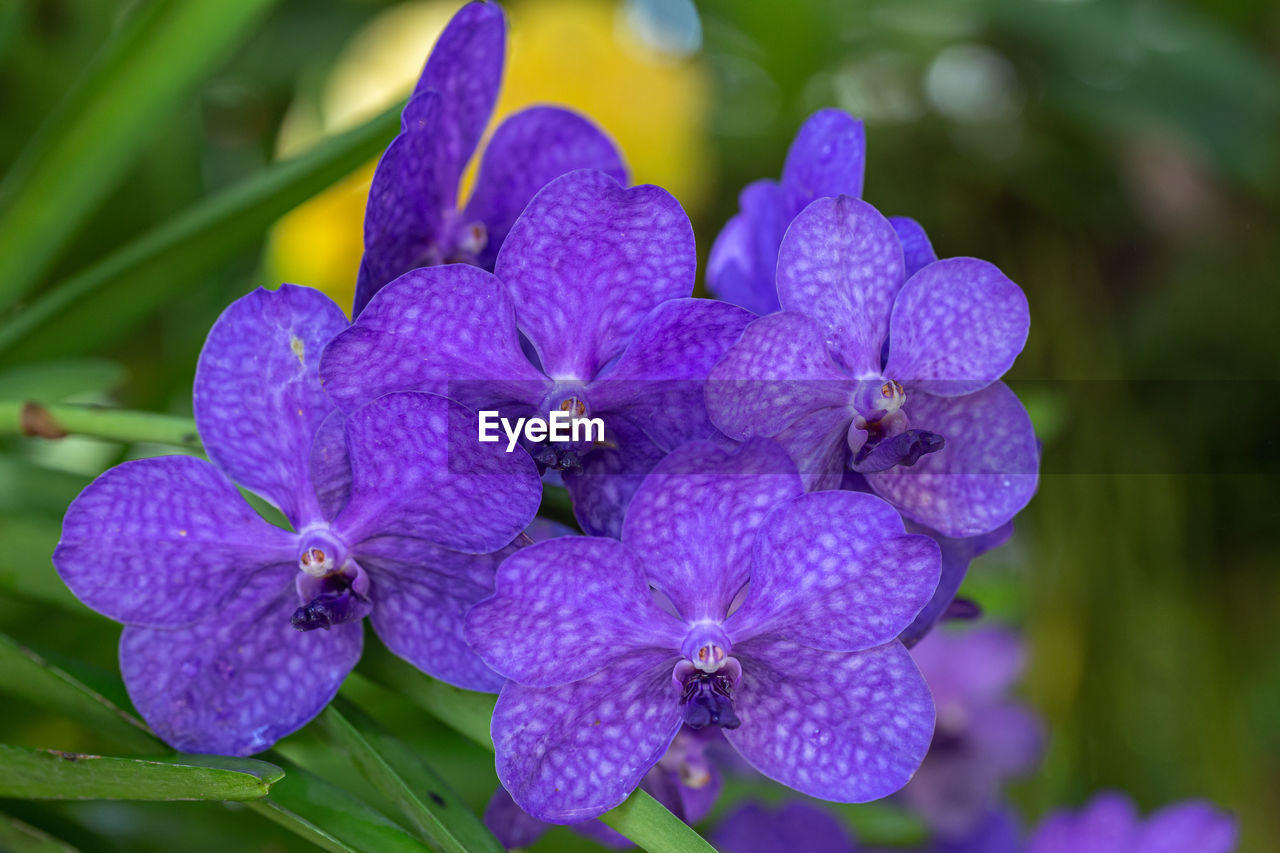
(159, 54)
(167, 259)
(33, 419)
(52, 775)
(19, 837)
(425, 799)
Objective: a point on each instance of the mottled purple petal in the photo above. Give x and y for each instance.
(421, 594)
(956, 556)
(970, 668)
(587, 260)
(843, 726)
(258, 400)
(1108, 824)
(658, 382)
(566, 609)
(817, 445)
(442, 330)
(917, 251)
(797, 826)
(330, 465)
(957, 326)
(1191, 827)
(610, 475)
(827, 158)
(236, 682)
(419, 471)
(835, 571)
(841, 264)
(743, 263)
(529, 150)
(510, 824)
(984, 475)
(777, 372)
(164, 542)
(694, 518)
(574, 751)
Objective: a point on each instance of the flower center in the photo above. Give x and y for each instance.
(880, 437)
(876, 399)
(332, 586)
(567, 404)
(706, 678)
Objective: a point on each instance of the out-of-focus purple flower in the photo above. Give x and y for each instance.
(983, 738)
(412, 219)
(683, 780)
(805, 677)
(595, 278)
(1110, 824)
(894, 378)
(796, 827)
(397, 513)
(826, 159)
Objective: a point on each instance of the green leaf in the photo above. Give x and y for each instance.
(33, 419)
(25, 569)
(647, 822)
(430, 805)
(156, 58)
(47, 774)
(135, 280)
(18, 837)
(331, 818)
(29, 676)
(55, 381)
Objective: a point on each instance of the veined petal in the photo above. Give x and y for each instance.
(418, 471)
(917, 251)
(957, 326)
(694, 517)
(421, 594)
(835, 571)
(775, 374)
(164, 542)
(818, 445)
(574, 751)
(743, 263)
(567, 608)
(330, 465)
(827, 158)
(602, 490)
(845, 726)
(956, 556)
(258, 399)
(842, 265)
(984, 475)
(239, 680)
(587, 260)
(447, 330)
(529, 150)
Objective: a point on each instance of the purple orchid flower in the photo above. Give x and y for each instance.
(396, 513)
(412, 218)
(592, 276)
(1110, 824)
(929, 424)
(983, 738)
(683, 780)
(805, 677)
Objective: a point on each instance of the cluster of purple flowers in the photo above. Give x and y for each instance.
(791, 482)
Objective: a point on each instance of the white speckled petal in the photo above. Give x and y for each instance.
(917, 251)
(574, 751)
(835, 571)
(235, 683)
(330, 465)
(845, 726)
(981, 478)
(257, 397)
(164, 542)
(695, 516)
(566, 608)
(827, 158)
(957, 326)
(744, 257)
(841, 263)
(587, 260)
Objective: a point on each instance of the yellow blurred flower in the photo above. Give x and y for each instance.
(578, 53)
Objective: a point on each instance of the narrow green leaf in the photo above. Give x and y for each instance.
(331, 818)
(133, 281)
(55, 381)
(33, 419)
(641, 818)
(425, 799)
(47, 774)
(18, 837)
(29, 676)
(158, 55)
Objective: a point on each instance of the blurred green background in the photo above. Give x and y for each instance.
(1120, 160)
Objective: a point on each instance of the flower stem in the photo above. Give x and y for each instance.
(54, 422)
